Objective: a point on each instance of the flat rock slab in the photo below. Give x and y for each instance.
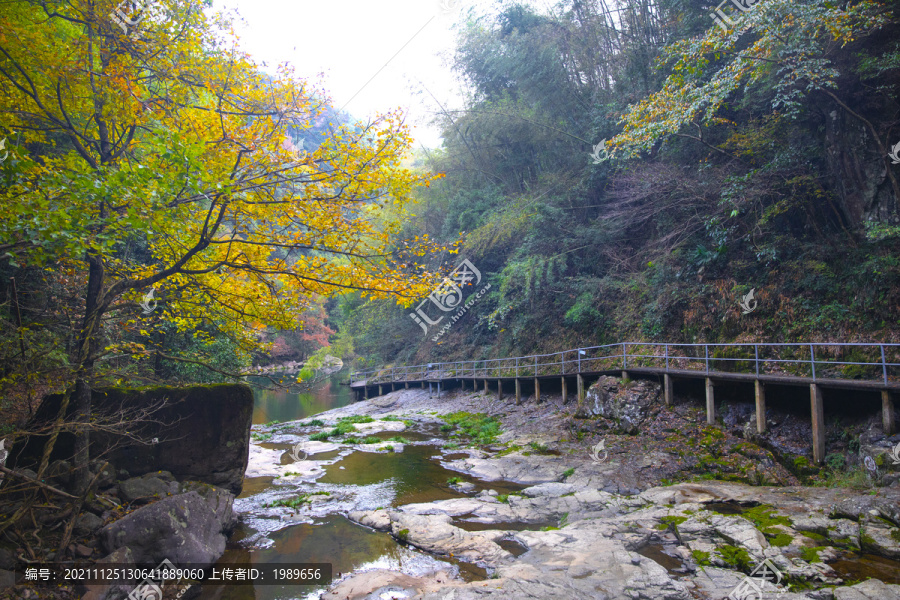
(520, 469)
(868, 590)
(376, 426)
(265, 462)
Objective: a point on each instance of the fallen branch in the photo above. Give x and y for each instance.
(36, 482)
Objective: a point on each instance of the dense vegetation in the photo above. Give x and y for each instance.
(630, 170)
(621, 170)
(160, 214)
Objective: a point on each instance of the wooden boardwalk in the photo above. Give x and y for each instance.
(849, 366)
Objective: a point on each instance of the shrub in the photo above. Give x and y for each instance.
(781, 539)
(736, 557)
(811, 554)
(568, 472)
(343, 428)
(539, 448)
(732, 366)
(835, 461)
(481, 428)
(355, 419)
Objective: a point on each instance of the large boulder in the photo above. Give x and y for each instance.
(199, 433)
(625, 405)
(141, 490)
(186, 529)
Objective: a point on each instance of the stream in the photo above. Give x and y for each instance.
(355, 478)
(292, 508)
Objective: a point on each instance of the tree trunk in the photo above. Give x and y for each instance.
(87, 349)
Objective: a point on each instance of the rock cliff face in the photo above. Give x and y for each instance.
(198, 433)
(625, 405)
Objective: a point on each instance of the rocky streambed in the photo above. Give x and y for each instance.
(533, 513)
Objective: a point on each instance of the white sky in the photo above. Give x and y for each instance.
(351, 40)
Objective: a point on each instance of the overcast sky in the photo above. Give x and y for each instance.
(376, 55)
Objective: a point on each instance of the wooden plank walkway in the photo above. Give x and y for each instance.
(777, 364)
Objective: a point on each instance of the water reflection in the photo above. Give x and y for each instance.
(335, 540)
(293, 404)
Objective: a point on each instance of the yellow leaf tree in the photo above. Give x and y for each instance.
(152, 128)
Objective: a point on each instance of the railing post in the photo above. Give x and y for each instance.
(756, 356)
(517, 366)
(624, 355)
(706, 353)
(667, 358)
(883, 364)
(579, 361)
(535, 366)
(812, 361)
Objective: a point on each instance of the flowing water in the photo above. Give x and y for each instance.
(356, 479)
(364, 480)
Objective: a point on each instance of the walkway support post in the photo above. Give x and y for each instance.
(366, 392)
(439, 390)
(887, 413)
(710, 403)
(537, 390)
(407, 385)
(429, 389)
(760, 406)
(818, 422)
(485, 386)
(380, 392)
(625, 376)
(667, 384)
(499, 389)
(518, 391)
(565, 391)
(580, 385)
